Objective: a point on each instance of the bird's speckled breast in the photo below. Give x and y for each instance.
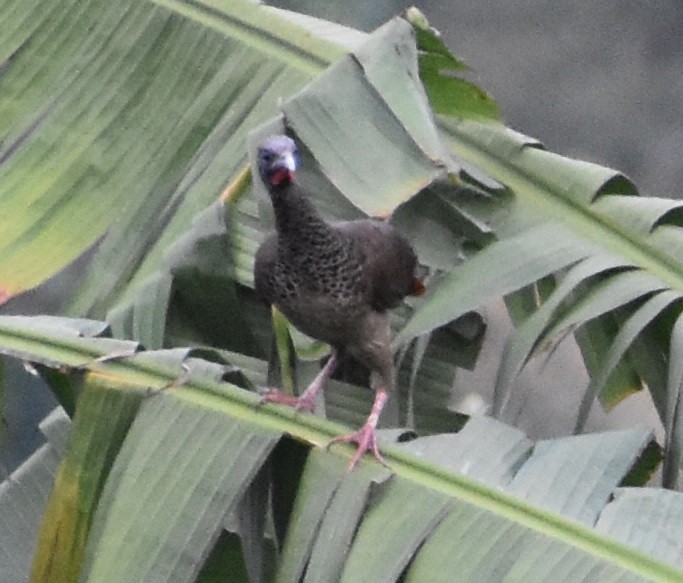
(321, 290)
(323, 319)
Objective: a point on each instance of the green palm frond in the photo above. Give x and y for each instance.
(129, 126)
(146, 490)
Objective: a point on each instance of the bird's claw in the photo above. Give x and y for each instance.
(366, 438)
(302, 403)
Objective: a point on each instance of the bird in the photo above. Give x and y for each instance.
(335, 282)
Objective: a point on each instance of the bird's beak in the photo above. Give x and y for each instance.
(287, 161)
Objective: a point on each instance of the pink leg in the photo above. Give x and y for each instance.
(366, 436)
(306, 402)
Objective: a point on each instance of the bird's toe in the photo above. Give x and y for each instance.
(303, 403)
(366, 438)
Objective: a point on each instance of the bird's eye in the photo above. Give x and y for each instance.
(266, 155)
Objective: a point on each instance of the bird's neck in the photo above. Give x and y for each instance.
(295, 216)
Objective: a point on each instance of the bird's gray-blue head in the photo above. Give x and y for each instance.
(277, 161)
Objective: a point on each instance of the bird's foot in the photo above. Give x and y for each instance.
(305, 402)
(366, 438)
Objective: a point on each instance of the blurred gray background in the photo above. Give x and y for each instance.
(601, 81)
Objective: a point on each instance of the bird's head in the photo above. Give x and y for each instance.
(277, 161)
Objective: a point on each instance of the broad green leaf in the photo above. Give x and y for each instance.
(484, 449)
(595, 338)
(251, 515)
(145, 319)
(425, 394)
(651, 362)
(622, 341)
(26, 330)
(520, 347)
(433, 50)
(283, 346)
(502, 456)
(194, 296)
(56, 428)
(674, 410)
(647, 518)
(418, 356)
(321, 478)
(600, 207)
(490, 549)
(90, 452)
(437, 228)
(560, 474)
(368, 123)
(584, 196)
(174, 89)
(338, 529)
(23, 498)
(596, 203)
(615, 291)
(388, 538)
(195, 468)
(642, 214)
(498, 270)
(225, 408)
(81, 123)
(225, 563)
(448, 95)
(399, 83)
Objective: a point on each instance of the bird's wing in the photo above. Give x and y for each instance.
(263, 268)
(388, 261)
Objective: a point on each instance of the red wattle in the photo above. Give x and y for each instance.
(281, 176)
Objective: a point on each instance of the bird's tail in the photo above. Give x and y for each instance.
(417, 287)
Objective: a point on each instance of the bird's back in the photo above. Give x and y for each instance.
(389, 261)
